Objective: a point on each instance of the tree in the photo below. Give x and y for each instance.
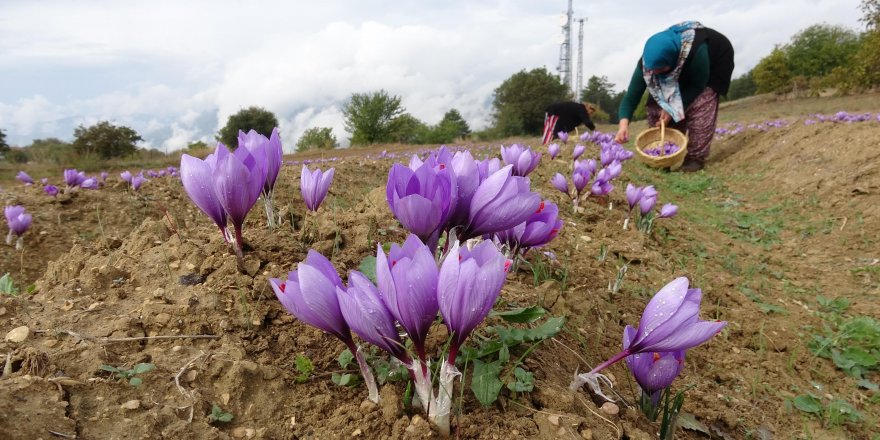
(407, 129)
(818, 49)
(370, 117)
(252, 118)
(51, 150)
(772, 73)
(4, 147)
(105, 140)
(742, 86)
(521, 99)
(317, 138)
(871, 11)
(600, 92)
(450, 128)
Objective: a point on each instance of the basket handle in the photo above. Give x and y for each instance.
(662, 131)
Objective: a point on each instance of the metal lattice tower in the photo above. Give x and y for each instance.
(580, 64)
(564, 67)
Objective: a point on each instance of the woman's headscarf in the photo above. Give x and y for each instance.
(669, 48)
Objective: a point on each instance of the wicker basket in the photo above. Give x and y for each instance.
(655, 137)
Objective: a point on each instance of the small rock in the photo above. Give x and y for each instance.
(554, 419)
(131, 404)
(356, 433)
(587, 434)
(190, 266)
(2, 311)
(225, 398)
(49, 343)
(177, 348)
(239, 432)
(610, 408)
(586, 238)
(18, 334)
(191, 375)
(367, 405)
(250, 432)
(561, 432)
(174, 265)
(162, 318)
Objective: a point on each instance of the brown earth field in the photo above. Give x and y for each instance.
(781, 232)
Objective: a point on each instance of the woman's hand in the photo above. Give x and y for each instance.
(622, 136)
(666, 118)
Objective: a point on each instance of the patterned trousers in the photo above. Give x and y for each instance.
(699, 123)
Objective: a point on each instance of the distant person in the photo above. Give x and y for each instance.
(565, 116)
(685, 69)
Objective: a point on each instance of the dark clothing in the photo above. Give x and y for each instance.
(571, 114)
(709, 64)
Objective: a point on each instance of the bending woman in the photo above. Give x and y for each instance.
(684, 69)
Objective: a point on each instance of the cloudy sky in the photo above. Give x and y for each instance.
(175, 70)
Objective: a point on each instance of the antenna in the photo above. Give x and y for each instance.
(580, 65)
(564, 67)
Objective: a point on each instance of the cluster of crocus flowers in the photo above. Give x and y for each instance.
(18, 221)
(225, 186)
(537, 231)
(459, 195)
(646, 199)
(410, 291)
(665, 149)
(74, 179)
(669, 326)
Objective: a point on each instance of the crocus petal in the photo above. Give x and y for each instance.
(197, 178)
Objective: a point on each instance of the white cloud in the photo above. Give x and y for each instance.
(175, 71)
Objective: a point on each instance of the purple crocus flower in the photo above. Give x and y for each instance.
(469, 283)
(560, 182)
(467, 179)
(197, 178)
(563, 136)
(542, 227)
(523, 159)
(633, 195)
(614, 169)
(668, 210)
(578, 151)
(647, 202)
(368, 316)
(73, 178)
(104, 175)
(501, 202)
(669, 323)
(18, 221)
(267, 151)
(407, 278)
(238, 180)
(151, 173)
(587, 167)
(309, 293)
(553, 150)
(580, 180)
(601, 187)
(314, 186)
(44, 180)
(137, 181)
(51, 190)
(24, 178)
(654, 371)
(422, 200)
(488, 167)
(126, 175)
(606, 156)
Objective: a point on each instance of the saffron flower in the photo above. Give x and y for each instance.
(314, 186)
(467, 179)
(501, 202)
(668, 210)
(469, 283)
(268, 153)
(669, 322)
(407, 279)
(310, 294)
(197, 178)
(654, 371)
(541, 228)
(73, 178)
(126, 175)
(24, 178)
(553, 150)
(488, 167)
(18, 221)
(560, 182)
(423, 199)
(51, 190)
(137, 181)
(633, 195)
(368, 316)
(578, 151)
(238, 180)
(563, 136)
(523, 159)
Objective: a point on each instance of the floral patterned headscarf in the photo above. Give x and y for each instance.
(669, 48)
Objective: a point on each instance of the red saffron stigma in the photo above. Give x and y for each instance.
(442, 166)
(656, 356)
(507, 264)
(554, 231)
(393, 262)
(282, 286)
(540, 207)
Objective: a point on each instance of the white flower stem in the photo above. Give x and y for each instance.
(269, 206)
(422, 382)
(442, 407)
(367, 373)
